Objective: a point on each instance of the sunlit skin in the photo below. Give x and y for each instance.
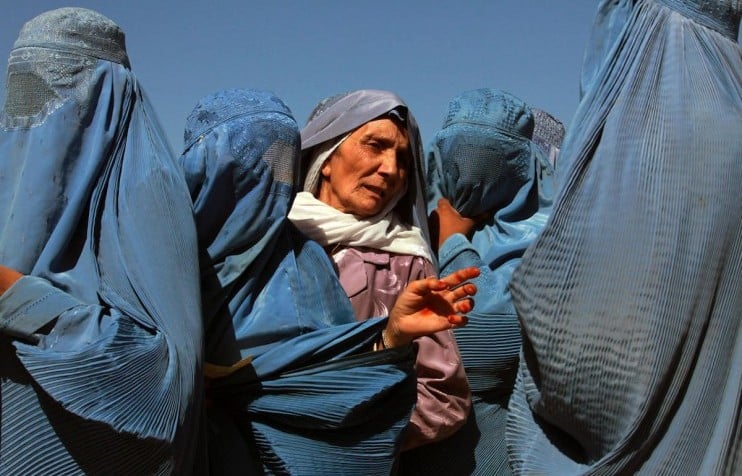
(8, 277)
(368, 170)
(364, 174)
(445, 221)
(431, 305)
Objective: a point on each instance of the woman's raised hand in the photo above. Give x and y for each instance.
(445, 220)
(431, 305)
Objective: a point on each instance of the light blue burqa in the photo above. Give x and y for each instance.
(303, 393)
(100, 342)
(484, 162)
(630, 299)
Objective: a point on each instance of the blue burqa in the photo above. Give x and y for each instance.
(630, 299)
(484, 162)
(294, 385)
(100, 342)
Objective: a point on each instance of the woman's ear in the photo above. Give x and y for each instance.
(326, 169)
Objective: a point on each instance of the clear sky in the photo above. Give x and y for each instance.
(304, 50)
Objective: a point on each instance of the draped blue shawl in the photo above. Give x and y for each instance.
(94, 211)
(630, 298)
(484, 162)
(313, 398)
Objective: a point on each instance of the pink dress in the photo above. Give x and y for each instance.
(373, 279)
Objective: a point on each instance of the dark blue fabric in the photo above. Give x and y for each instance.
(484, 162)
(630, 298)
(314, 399)
(94, 210)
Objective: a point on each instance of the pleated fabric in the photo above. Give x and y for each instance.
(484, 162)
(100, 344)
(294, 385)
(630, 299)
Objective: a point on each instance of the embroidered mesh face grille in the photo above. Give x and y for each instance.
(53, 61)
(40, 80)
(27, 94)
(275, 157)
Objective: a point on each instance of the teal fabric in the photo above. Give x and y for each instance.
(630, 298)
(315, 398)
(484, 162)
(94, 210)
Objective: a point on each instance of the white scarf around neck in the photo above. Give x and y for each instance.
(329, 226)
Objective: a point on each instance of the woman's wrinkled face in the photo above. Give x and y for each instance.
(368, 170)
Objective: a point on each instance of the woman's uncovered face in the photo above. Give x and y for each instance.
(368, 170)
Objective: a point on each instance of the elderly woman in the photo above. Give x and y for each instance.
(362, 201)
(630, 298)
(489, 190)
(100, 342)
(293, 385)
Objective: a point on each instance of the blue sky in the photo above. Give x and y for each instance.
(425, 51)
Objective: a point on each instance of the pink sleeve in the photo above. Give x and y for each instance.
(373, 279)
(443, 396)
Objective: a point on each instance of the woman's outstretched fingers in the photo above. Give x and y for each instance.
(456, 320)
(431, 305)
(422, 287)
(464, 306)
(463, 291)
(461, 275)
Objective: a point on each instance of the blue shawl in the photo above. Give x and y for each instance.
(630, 298)
(295, 387)
(101, 341)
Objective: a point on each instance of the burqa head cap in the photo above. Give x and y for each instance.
(484, 149)
(75, 30)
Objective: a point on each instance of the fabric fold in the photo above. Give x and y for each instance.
(92, 202)
(314, 399)
(629, 300)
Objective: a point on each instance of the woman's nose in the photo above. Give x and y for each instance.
(388, 165)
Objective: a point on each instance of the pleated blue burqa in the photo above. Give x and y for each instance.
(483, 161)
(100, 341)
(630, 299)
(294, 386)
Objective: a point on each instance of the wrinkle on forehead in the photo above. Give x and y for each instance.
(378, 129)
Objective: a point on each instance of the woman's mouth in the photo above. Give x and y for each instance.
(381, 192)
